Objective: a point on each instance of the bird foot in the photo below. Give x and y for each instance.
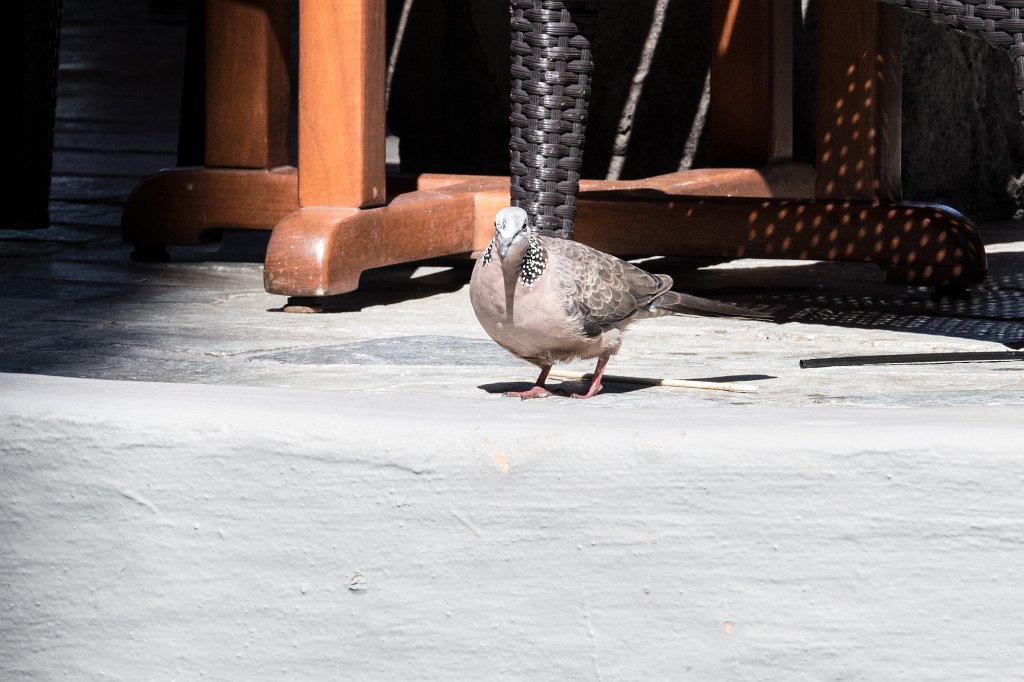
(594, 390)
(535, 392)
(578, 396)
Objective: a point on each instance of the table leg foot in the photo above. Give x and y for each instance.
(322, 251)
(190, 206)
(304, 305)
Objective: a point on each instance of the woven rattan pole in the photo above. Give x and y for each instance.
(247, 85)
(552, 64)
(1017, 55)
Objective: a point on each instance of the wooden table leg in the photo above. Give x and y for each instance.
(751, 111)
(341, 103)
(341, 227)
(859, 106)
(859, 117)
(247, 84)
(243, 181)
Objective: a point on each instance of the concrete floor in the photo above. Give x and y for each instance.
(73, 303)
(198, 484)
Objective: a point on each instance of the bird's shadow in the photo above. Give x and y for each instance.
(570, 386)
(735, 378)
(562, 389)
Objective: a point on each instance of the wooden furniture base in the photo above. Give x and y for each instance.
(321, 251)
(334, 216)
(187, 206)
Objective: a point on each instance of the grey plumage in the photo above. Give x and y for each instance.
(551, 300)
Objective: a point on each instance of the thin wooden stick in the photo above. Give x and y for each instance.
(649, 381)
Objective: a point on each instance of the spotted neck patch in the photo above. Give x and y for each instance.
(534, 262)
(487, 254)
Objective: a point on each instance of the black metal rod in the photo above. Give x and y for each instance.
(912, 359)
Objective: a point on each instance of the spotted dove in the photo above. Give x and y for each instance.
(549, 300)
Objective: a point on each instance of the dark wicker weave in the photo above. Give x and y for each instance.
(551, 69)
(999, 22)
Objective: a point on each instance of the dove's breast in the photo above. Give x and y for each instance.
(531, 320)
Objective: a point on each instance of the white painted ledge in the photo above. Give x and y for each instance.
(159, 531)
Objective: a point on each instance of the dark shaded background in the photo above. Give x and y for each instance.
(963, 140)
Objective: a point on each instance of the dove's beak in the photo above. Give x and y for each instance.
(505, 242)
(503, 245)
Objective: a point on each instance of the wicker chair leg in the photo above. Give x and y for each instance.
(552, 65)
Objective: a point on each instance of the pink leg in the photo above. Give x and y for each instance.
(538, 390)
(595, 383)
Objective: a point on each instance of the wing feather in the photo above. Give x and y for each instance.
(599, 288)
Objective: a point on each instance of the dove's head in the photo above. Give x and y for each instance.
(510, 227)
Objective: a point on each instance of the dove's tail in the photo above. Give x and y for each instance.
(685, 304)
